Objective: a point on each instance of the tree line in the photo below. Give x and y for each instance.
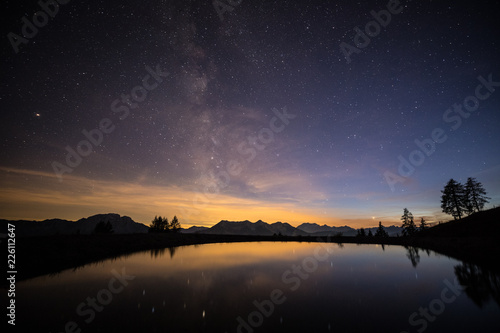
(379, 233)
(456, 200)
(161, 224)
(409, 227)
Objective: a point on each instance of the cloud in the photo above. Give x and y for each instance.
(41, 194)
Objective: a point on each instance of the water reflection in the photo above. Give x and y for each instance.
(310, 287)
(481, 285)
(412, 254)
(157, 253)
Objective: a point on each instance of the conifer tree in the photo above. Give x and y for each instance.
(453, 199)
(159, 224)
(423, 224)
(381, 231)
(474, 196)
(408, 226)
(175, 225)
(165, 226)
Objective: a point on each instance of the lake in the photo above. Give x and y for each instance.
(265, 287)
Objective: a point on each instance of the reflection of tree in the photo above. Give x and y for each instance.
(412, 254)
(158, 253)
(480, 284)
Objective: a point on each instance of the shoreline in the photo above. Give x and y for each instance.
(38, 256)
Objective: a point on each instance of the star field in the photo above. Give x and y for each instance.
(203, 144)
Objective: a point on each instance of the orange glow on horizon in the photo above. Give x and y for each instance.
(23, 197)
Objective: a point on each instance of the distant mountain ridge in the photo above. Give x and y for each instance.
(259, 228)
(324, 230)
(125, 225)
(262, 228)
(84, 226)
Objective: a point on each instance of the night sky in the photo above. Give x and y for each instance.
(211, 111)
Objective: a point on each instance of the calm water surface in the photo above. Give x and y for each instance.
(266, 287)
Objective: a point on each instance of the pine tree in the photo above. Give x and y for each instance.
(453, 199)
(175, 225)
(381, 231)
(409, 228)
(423, 224)
(361, 232)
(159, 224)
(165, 226)
(370, 234)
(154, 226)
(474, 196)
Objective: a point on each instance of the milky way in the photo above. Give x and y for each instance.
(320, 111)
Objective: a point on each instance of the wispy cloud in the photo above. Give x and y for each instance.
(42, 196)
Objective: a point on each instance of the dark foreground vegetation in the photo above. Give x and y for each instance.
(473, 239)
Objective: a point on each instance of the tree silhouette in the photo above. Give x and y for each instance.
(474, 196)
(452, 200)
(370, 234)
(381, 231)
(159, 224)
(408, 226)
(361, 233)
(423, 224)
(175, 225)
(165, 225)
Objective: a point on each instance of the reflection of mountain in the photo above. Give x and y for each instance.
(481, 285)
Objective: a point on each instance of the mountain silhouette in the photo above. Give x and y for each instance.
(84, 226)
